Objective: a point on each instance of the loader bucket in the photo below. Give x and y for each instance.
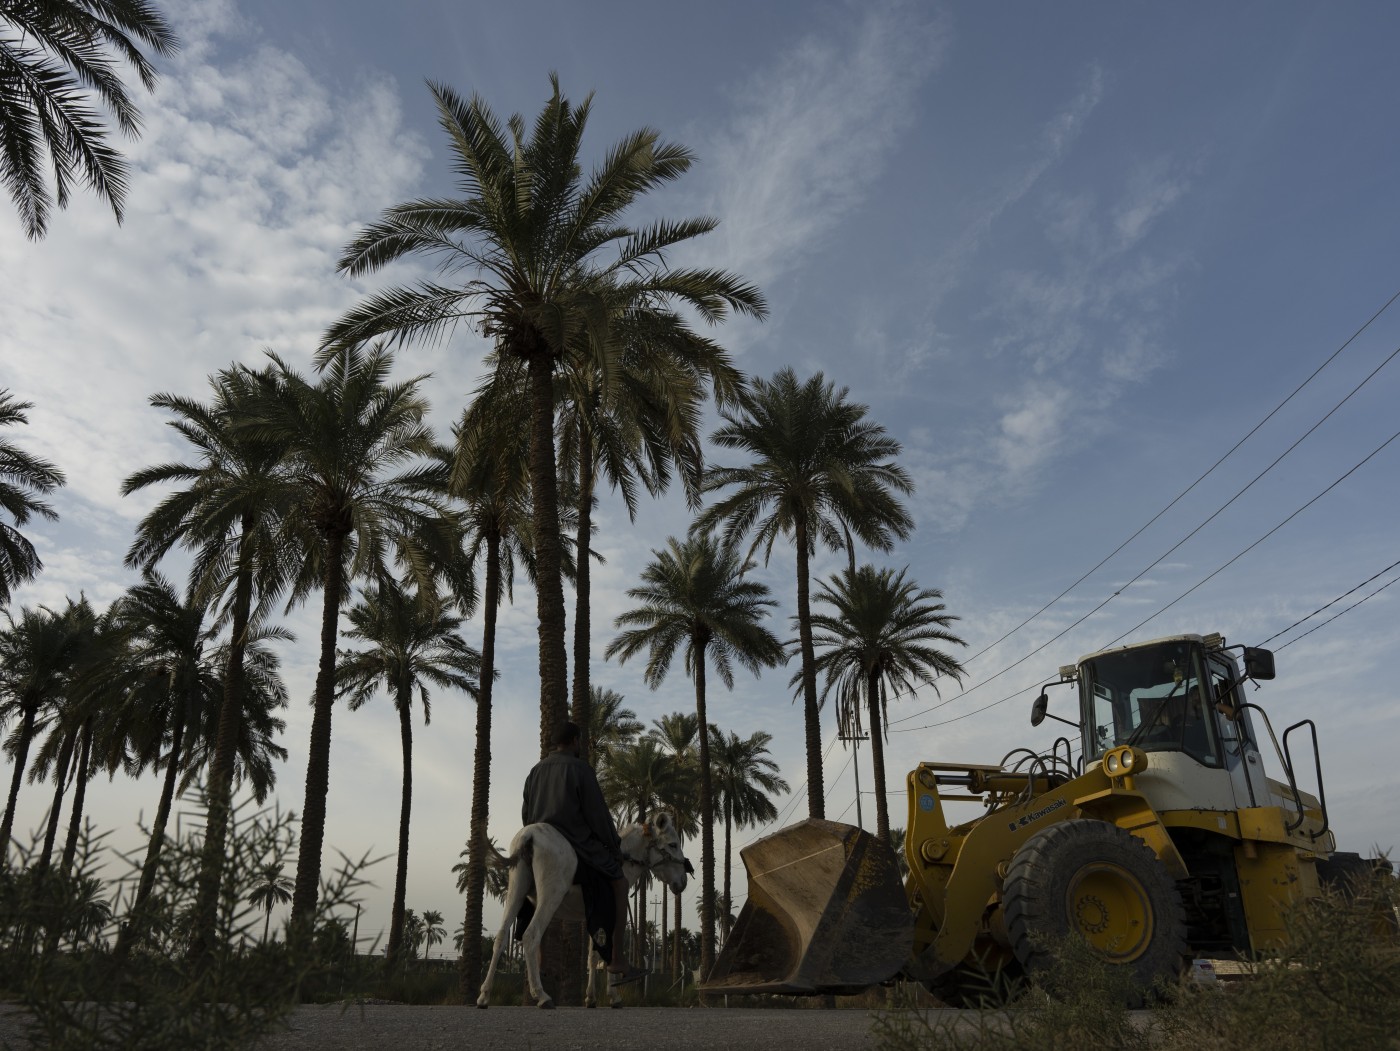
(826, 913)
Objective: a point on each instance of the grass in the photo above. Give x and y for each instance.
(1336, 986)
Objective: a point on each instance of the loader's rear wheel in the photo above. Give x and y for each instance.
(1098, 881)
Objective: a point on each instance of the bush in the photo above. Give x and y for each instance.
(1337, 985)
(56, 938)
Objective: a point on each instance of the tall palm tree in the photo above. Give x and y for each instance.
(882, 635)
(69, 717)
(694, 597)
(59, 68)
(539, 259)
(270, 890)
(227, 510)
(613, 727)
(413, 643)
(490, 475)
(819, 471)
(497, 878)
(358, 457)
(745, 775)
(38, 650)
(24, 480)
(679, 733)
(172, 701)
(634, 783)
(433, 931)
(634, 428)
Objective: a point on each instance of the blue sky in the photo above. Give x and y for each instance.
(1068, 254)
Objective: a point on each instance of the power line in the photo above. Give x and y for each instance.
(1256, 543)
(1209, 471)
(1171, 550)
(1321, 609)
(1340, 613)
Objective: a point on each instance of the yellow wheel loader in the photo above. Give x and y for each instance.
(1153, 832)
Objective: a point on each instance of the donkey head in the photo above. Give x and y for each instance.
(666, 860)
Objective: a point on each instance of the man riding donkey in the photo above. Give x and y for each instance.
(563, 791)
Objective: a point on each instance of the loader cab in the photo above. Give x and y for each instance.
(1157, 696)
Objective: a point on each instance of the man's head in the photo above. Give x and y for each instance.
(566, 738)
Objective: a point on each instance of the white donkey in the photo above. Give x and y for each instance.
(542, 864)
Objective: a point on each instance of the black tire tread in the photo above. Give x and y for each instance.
(1035, 920)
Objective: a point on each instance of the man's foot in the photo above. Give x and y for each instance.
(627, 975)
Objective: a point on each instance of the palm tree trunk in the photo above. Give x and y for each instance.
(65, 756)
(481, 777)
(75, 819)
(26, 734)
(676, 949)
(816, 794)
(267, 924)
(665, 915)
(133, 929)
(877, 757)
(582, 585)
(318, 763)
(707, 821)
(404, 703)
(728, 862)
(549, 605)
(549, 586)
(219, 790)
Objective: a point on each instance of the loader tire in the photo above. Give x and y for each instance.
(1096, 880)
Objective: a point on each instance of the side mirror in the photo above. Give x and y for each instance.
(1258, 663)
(1039, 708)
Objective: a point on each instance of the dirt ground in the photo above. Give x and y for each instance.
(402, 1028)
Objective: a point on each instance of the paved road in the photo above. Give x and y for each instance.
(401, 1028)
(568, 1028)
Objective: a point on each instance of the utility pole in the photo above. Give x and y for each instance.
(855, 740)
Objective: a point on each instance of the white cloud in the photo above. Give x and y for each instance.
(814, 133)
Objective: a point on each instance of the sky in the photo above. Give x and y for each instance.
(1069, 256)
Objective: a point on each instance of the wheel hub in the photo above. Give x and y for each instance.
(1111, 910)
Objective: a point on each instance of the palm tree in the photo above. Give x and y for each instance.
(694, 597)
(270, 890)
(634, 783)
(744, 777)
(172, 702)
(635, 428)
(228, 513)
(24, 478)
(612, 728)
(820, 471)
(490, 475)
(542, 264)
(882, 635)
(69, 718)
(58, 58)
(37, 652)
(497, 877)
(343, 437)
(679, 733)
(433, 931)
(413, 644)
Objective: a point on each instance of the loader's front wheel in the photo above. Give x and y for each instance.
(1100, 882)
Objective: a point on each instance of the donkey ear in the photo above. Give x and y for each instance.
(662, 821)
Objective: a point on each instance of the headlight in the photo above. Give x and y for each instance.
(1110, 762)
(1127, 759)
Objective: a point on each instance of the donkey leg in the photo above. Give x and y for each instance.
(516, 891)
(549, 892)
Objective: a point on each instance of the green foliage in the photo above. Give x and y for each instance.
(56, 933)
(1334, 986)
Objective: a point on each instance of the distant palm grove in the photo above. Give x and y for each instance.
(323, 483)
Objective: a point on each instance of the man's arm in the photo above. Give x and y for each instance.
(595, 810)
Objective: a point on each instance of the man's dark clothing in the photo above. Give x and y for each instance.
(563, 791)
